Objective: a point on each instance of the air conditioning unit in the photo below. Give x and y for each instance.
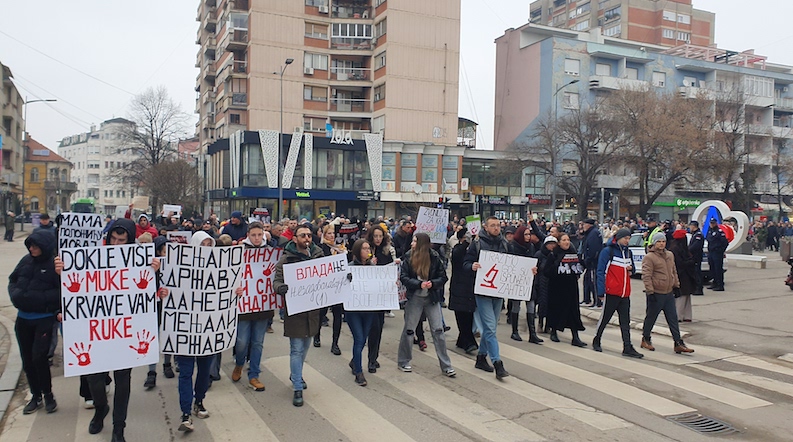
(298, 129)
(785, 89)
(323, 9)
(308, 71)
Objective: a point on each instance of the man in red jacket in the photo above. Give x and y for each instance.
(615, 265)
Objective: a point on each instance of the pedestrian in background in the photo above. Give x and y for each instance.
(686, 274)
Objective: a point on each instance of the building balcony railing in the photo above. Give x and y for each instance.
(354, 12)
(352, 43)
(63, 186)
(208, 71)
(350, 74)
(614, 83)
(236, 40)
(350, 105)
(784, 103)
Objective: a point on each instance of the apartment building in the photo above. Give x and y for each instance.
(665, 23)
(542, 70)
(11, 143)
(48, 183)
(335, 71)
(98, 157)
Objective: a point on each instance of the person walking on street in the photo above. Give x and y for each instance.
(591, 245)
(10, 219)
(329, 248)
(660, 279)
(360, 322)
(522, 245)
(696, 248)
(717, 245)
(684, 264)
(383, 254)
(423, 275)
(461, 294)
(34, 289)
(563, 270)
(615, 266)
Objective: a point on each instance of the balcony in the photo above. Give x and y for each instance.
(350, 105)
(352, 11)
(63, 186)
(784, 103)
(602, 82)
(236, 40)
(210, 21)
(350, 74)
(208, 71)
(239, 5)
(351, 43)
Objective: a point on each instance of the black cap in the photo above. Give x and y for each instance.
(694, 223)
(713, 220)
(510, 229)
(650, 219)
(589, 221)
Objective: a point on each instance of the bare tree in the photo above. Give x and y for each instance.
(782, 169)
(174, 181)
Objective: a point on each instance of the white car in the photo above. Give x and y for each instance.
(636, 246)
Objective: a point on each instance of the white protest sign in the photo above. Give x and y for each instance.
(171, 210)
(433, 222)
(80, 230)
(504, 276)
(109, 308)
(316, 283)
(373, 288)
(474, 224)
(257, 281)
(199, 316)
(179, 236)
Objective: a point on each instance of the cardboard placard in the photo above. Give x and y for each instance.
(179, 236)
(257, 281)
(374, 288)
(316, 283)
(109, 308)
(433, 222)
(504, 276)
(80, 230)
(140, 202)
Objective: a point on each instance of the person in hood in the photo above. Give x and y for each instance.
(686, 274)
(34, 289)
(614, 269)
(143, 226)
(237, 228)
(202, 238)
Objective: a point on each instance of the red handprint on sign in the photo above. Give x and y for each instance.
(144, 339)
(75, 282)
(269, 270)
(144, 280)
(81, 353)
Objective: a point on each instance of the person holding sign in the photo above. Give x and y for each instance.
(563, 270)
(34, 289)
(300, 328)
(424, 276)
(330, 248)
(383, 254)
(360, 322)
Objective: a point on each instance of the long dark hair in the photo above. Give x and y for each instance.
(370, 237)
(356, 252)
(420, 256)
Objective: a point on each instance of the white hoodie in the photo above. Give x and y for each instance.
(199, 237)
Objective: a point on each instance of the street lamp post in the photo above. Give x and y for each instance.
(279, 213)
(25, 142)
(553, 154)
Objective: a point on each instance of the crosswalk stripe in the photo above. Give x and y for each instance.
(608, 386)
(694, 385)
(463, 411)
(233, 417)
(354, 419)
(612, 340)
(753, 362)
(751, 379)
(576, 410)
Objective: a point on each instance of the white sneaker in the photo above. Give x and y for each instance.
(450, 372)
(389, 314)
(89, 404)
(187, 424)
(405, 368)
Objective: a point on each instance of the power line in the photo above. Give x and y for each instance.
(69, 117)
(65, 64)
(471, 95)
(25, 80)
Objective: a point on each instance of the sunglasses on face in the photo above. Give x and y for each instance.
(304, 235)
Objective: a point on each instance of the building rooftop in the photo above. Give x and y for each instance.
(39, 152)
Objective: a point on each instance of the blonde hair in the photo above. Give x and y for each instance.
(145, 238)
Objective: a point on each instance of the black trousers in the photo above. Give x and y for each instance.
(96, 383)
(623, 308)
(465, 324)
(34, 336)
(338, 311)
(590, 293)
(716, 269)
(698, 277)
(656, 304)
(375, 336)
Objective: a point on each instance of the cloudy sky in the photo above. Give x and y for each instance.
(94, 55)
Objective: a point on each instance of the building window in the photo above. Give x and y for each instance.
(669, 33)
(581, 26)
(572, 66)
(612, 13)
(378, 124)
(379, 2)
(238, 21)
(684, 36)
(34, 175)
(570, 100)
(34, 205)
(659, 79)
(670, 16)
(684, 18)
(603, 69)
(317, 31)
(379, 92)
(234, 118)
(429, 168)
(314, 124)
(690, 81)
(613, 31)
(93, 164)
(314, 93)
(409, 164)
(316, 61)
(354, 30)
(379, 60)
(380, 28)
(631, 73)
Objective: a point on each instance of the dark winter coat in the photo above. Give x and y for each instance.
(402, 242)
(591, 245)
(484, 241)
(300, 325)
(696, 246)
(33, 286)
(237, 232)
(563, 269)
(539, 290)
(685, 265)
(437, 275)
(383, 253)
(461, 288)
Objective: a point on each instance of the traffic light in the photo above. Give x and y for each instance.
(607, 202)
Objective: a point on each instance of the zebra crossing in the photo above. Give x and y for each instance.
(556, 392)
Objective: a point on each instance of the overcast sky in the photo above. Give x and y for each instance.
(123, 47)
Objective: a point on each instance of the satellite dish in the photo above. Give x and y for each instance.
(417, 189)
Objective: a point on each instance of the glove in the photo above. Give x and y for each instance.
(349, 277)
(283, 289)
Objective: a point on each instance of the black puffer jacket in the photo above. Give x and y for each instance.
(437, 276)
(461, 289)
(33, 286)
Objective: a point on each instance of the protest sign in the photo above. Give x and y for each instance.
(80, 230)
(504, 276)
(434, 223)
(199, 316)
(109, 308)
(257, 281)
(373, 288)
(316, 283)
(347, 234)
(179, 236)
(140, 202)
(169, 210)
(261, 214)
(474, 224)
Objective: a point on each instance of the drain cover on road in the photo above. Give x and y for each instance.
(703, 424)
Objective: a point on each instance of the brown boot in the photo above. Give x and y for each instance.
(237, 373)
(680, 347)
(647, 345)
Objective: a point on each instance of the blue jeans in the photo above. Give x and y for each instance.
(251, 333)
(186, 391)
(489, 309)
(360, 325)
(298, 349)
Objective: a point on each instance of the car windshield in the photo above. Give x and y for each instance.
(636, 241)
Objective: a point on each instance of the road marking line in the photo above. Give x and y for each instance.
(233, 418)
(753, 362)
(463, 411)
(344, 411)
(712, 391)
(583, 413)
(751, 379)
(611, 387)
(612, 340)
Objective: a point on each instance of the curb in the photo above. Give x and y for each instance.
(636, 325)
(10, 377)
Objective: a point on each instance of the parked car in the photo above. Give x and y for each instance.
(636, 246)
(23, 218)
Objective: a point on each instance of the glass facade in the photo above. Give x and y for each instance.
(483, 180)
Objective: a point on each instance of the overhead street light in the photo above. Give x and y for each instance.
(279, 212)
(25, 141)
(553, 157)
